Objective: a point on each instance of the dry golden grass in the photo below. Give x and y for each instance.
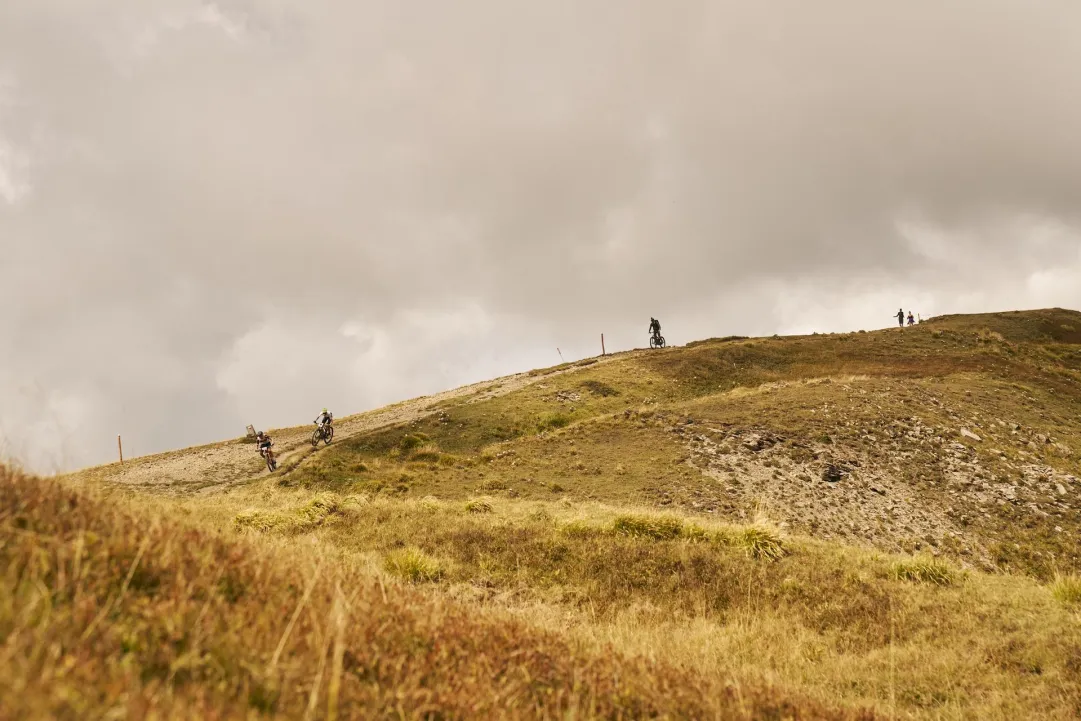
(110, 611)
(1067, 589)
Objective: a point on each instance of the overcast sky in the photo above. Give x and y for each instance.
(214, 214)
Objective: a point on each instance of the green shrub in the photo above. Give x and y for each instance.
(414, 565)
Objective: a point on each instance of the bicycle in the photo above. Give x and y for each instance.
(324, 433)
(268, 456)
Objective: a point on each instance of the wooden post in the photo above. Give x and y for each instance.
(602, 343)
(120, 448)
(560, 355)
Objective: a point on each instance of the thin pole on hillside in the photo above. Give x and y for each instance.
(560, 355)
(120, 448)
(602, 343)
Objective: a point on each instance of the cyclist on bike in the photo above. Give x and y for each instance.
(263, 439)
(325, 418)
(654, 327)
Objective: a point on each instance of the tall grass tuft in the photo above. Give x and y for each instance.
(758, 542)
(659, 528)
(924, 569)
(479, 505)
(301, 519)
(1067, 589)
(414, 565)
(428, 452)
(261, 521)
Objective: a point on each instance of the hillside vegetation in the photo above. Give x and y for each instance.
(858, 525)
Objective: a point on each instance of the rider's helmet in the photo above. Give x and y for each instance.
(324, 410)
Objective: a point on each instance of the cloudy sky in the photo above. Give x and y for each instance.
(214, 214)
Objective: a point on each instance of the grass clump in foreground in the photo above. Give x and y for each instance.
(1067, 589)
(414, 565)
(924, 569)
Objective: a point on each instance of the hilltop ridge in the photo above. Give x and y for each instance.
(845, 525)
(942, 436)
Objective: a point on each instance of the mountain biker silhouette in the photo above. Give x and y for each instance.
(654, 326)
(264, 443)
(324, 418)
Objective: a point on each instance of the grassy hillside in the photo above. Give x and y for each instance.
(846, 525)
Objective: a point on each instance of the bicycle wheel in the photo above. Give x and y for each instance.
(660, 341)
(316, 437)
(269, 462)
(652, 342)
(328, 435)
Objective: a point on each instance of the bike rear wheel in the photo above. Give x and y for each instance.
(328, 435)
(660, 341)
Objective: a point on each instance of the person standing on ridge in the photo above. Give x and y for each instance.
(911, 318)
(900, 317)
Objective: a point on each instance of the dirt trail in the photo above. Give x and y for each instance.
(215, 467)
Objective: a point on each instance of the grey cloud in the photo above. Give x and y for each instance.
(208, 193)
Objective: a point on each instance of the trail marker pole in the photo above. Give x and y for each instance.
(120, 448)
(560, 355)
(602, 344)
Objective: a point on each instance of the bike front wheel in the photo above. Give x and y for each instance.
(316, 437)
